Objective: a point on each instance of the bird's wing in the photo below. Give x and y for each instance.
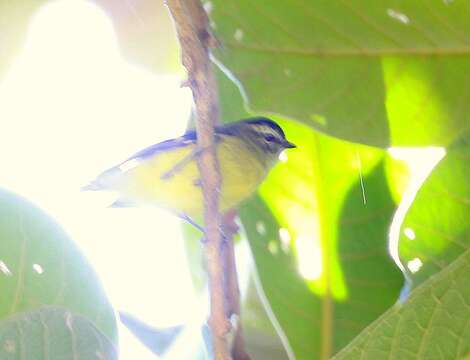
(187, 139)
(116, 171)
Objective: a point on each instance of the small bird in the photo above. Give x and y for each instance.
(166, 174)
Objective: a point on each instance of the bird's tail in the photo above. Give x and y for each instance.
(105, 181)
(92, 186)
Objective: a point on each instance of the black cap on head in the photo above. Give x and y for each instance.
(264, 121)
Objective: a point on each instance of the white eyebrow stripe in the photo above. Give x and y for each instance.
(273, 133)
(267, 130)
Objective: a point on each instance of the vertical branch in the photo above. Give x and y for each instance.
(192, 29)
(230, 228)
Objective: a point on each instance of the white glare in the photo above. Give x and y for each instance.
(414, 265)
(72, 107)
(273, 247)
(238, 36)
(260, 228)
(283, 156)
(208, 6)
(69, 320)
(38, 268)
(309, 257)
(4, 268)
(409, 233)
(285, 239)
(420, 163)
(398, 16)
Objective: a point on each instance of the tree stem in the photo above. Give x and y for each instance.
(230, 228)
(192, 28)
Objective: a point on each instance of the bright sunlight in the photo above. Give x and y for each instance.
(74, 107)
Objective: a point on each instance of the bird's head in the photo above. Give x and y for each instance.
(265, 134)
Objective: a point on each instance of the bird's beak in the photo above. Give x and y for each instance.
(289, 145)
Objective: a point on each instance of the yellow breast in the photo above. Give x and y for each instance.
(171, 179)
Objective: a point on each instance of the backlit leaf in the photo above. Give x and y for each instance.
(375, 72)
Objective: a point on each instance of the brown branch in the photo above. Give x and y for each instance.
(230, 228)
(192, 29)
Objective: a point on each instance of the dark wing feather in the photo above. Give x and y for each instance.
(185, 140)
(189, 138)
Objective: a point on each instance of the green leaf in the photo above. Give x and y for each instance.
(432, 324)
(40, 265)
(52, 333)
(376, 72)
(230, 100)
(261, 339)
(436, 228)
(320, 250)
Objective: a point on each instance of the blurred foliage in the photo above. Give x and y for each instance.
(14, 19)
(145, 32)
(335, 75)
(54, 332)
(40, 265)
(144, 29)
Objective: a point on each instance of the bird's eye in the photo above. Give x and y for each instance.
(269, 138)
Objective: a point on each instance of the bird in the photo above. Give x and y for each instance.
(166, 174)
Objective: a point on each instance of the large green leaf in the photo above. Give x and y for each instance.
(52, 333)
(432, 324)
(40, 265)
(436, 228)
(376, 72)
(263, 337)
(320, 249)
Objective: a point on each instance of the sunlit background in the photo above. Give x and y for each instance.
(74, 107)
